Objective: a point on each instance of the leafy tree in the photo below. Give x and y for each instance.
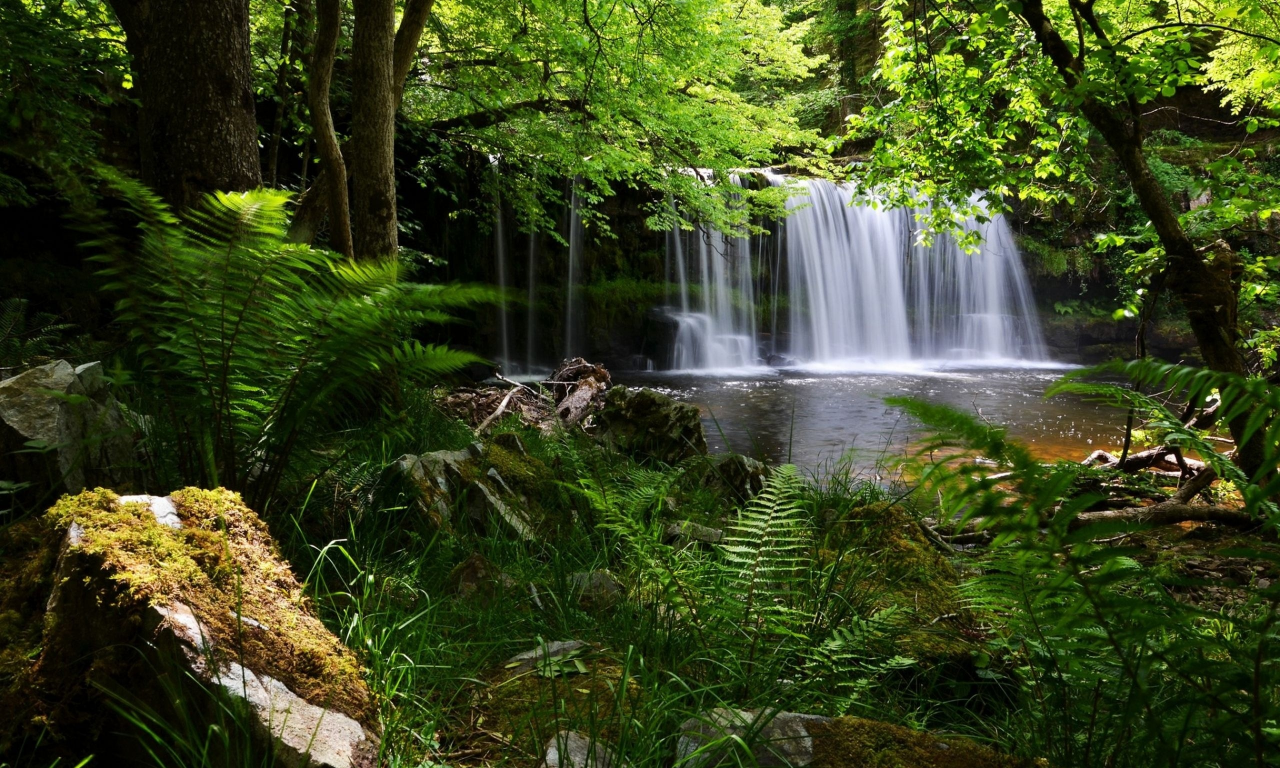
(612, 93)
(1004, 96)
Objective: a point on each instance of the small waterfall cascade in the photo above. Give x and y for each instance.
(864, 289)
(860, 288)
(500, 256)
(573, 315)
(531, 313)
(722, 331)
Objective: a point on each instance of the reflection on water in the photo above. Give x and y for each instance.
(809, 416)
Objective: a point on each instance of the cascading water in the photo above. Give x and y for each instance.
(573, 320)
(861, 290)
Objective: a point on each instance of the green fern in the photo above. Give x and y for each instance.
(26, 339)
(1255, 402)
(1114, 668)
(766, 550)
(254, 344)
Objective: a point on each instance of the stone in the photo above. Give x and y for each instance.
(595, 589)
(438, 479)
(776, 739)
(139, 594)
(478, 578)
(570, 749)
(740, 476)
(646, 423)
(529, 660)
(71, 413)
(686, 532)
(510, 441)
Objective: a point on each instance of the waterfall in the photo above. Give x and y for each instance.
(531, 314)
(861, 290)
(500, 255)
(572, 301)
(721, 333)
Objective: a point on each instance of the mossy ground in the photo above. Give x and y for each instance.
(850, 742)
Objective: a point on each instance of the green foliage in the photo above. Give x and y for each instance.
(635, 93)
(1114, 664)
(61, 61)
(245, 344)
(26, 340)
(1254, 401)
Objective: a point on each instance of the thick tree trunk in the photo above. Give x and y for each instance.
(192, 75)
(1207, 289)
(372, 154)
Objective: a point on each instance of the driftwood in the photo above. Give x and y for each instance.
(579, 389)
(576, 391)
(1163, 458)
(1177, 509)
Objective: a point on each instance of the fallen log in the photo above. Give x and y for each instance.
(1168, 513)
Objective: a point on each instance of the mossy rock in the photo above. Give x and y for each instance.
(583, 689)
(187, 586)
(910, 575)
(646, 423)
(851, 742)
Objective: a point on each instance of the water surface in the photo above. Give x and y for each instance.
(816, 414)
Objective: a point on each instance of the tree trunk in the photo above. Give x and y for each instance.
(328, 26)
(1206, 289)
(192, 75)
(313, 205)
(372, 154)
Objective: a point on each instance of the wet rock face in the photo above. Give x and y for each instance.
(71, 412)
(188, 587)
(647, 423)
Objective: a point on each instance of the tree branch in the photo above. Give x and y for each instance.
(490, 117)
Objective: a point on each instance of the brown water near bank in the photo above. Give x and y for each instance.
(812, 418)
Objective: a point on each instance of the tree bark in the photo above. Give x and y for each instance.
(192, 74)
(328, 25)
(372, 153)
(313, 205)
(1206, 289)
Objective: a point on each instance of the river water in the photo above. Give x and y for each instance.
(812, 417)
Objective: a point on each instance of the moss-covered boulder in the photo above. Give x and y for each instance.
(851, 742)
(643, 422)
(796, 740)
(131, 592)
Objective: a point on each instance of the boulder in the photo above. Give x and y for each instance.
(530, 660)
(570, 749)
(477, 577)
(794, 740)
(739, 476)
(686, 533)
(144, 591)
(643, 422)
(70, 416)
(595, 589)
(435, 481)
(776, 739)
